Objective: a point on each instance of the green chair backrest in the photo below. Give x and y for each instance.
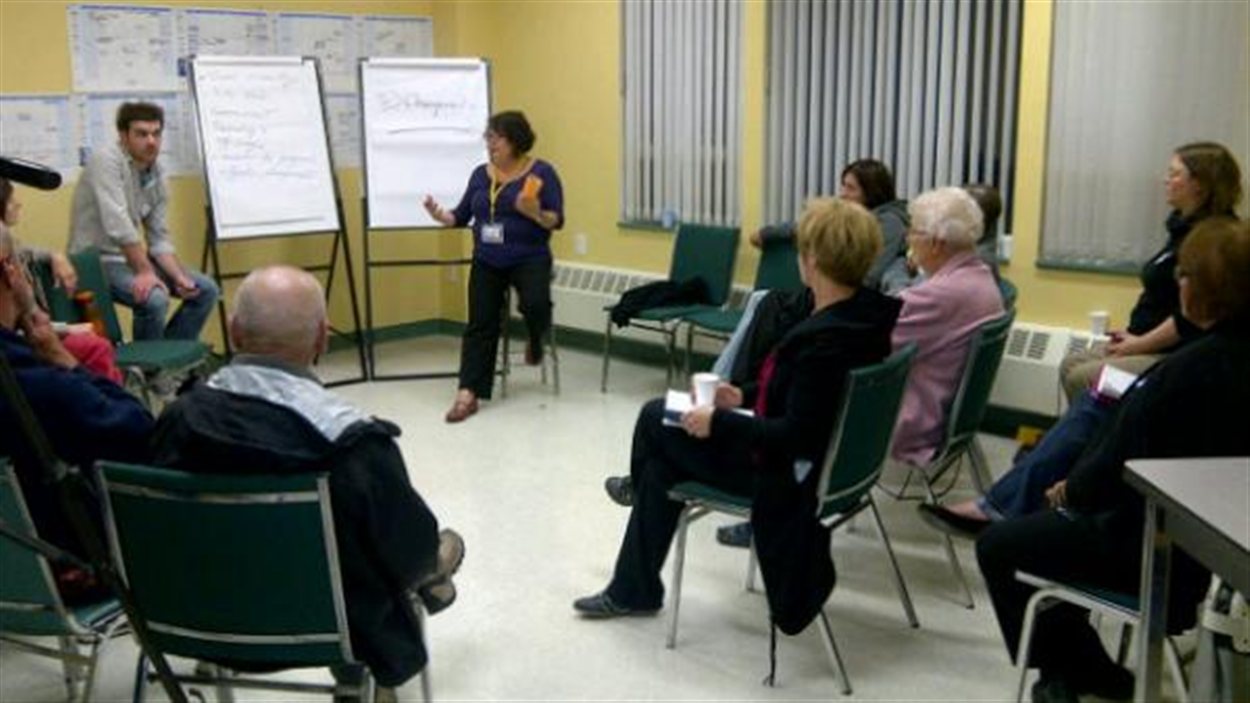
(985, 352)
(91, 277)
(779, 267)
(1010, 293)
(705, 252)
(861, 438)
(29, 602)
(60, 307)
(228, 567)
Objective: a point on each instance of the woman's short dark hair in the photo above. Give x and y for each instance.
(1215, 260)
(991, 204)
(6, 192)
(1217, 174)
(138, 112)
(874, 179)
(512, 125)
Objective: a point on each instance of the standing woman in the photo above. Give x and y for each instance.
(514, 203)
(1203, 180)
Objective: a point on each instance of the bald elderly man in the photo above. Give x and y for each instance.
(267, 412)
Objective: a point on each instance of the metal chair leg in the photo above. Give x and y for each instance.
(835, 657)
(69, 667)
(950, 554)
(607, 354)
(1177, 669)
(679, 562)
(555, 360)
(141, 678)
(908, 609)
(1026, 642)
(752, 564)
(670, 368)
(980, 470)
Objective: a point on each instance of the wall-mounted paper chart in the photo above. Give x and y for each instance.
(119, 48)
(227, 33)
(397, 36)
(331, 39)
(423, 126)
(343, 114)
(98, 118)
(40, 128)
(266, 157)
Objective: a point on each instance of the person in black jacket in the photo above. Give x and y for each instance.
(1191, 404)
(1203, 181)
(84, 416)
(266, 412)
(769, 455)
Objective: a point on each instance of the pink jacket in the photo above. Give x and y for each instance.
(940, 316)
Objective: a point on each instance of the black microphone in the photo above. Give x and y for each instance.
(29, 173)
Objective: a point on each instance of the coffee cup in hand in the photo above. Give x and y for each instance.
(705, 388)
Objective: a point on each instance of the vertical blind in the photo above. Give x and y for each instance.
(682, 111)
(1130, 82)
(928, 87)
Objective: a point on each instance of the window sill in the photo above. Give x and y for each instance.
(1122, 269)
(645, 225)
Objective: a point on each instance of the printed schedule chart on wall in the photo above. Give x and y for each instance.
(117, 48)
(227, 32)
(39, 128)
(331, 39)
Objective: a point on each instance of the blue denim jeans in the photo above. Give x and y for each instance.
(150, 316)
(1022, 490)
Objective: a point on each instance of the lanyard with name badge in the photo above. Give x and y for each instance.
(492, 232)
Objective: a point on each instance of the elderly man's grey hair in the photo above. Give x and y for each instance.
(278, 310)
(949, 214)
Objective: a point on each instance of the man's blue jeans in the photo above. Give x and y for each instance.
(149, 317)
(1022, 490)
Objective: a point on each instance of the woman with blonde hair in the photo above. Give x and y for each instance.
(795, 400)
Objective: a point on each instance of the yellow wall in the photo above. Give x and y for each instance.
(559, 61)
(34, 58)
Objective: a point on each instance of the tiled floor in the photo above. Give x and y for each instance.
(522, 481)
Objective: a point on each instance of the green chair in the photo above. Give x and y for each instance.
(700, 251)
(857, 451)
(143, 359)
(778, 270)
(237, 572)
(1010, 293)
(963, 418)
(1122, 606)
(30, 605)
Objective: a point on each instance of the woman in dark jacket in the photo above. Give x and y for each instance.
(1191, 404)
(1203, 180)
(768, 455)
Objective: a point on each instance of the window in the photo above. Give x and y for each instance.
(1130, 82)
(928, 88)
(682, 107)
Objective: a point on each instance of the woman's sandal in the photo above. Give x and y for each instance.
(461, 410)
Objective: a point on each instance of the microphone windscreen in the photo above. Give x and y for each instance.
(29, 173)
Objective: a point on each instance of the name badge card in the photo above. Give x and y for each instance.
(492, 233)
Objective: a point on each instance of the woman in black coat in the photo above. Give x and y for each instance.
(769, 455)
(1190, 404)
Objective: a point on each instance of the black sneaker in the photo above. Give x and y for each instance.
(1053, 691)
(951, 523)
(601, 606)
(620, 489)
(736, 535)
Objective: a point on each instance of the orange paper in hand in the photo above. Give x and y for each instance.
(531, 186)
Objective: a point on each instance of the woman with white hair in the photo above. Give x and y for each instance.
(941, 314)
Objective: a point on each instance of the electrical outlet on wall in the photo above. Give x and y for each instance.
(452, 273)
(581, 243)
